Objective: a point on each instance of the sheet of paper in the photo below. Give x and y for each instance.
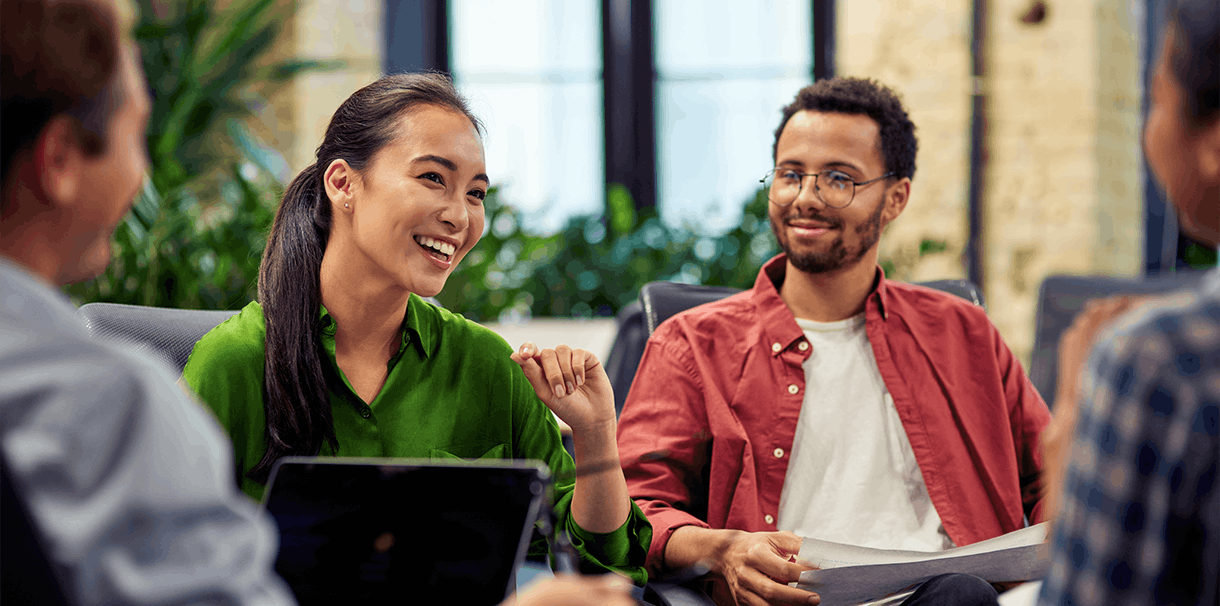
(850, 575)
(1025, 594)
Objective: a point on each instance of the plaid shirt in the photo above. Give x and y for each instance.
(1141, 520)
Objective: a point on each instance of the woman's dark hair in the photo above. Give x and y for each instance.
(1195, 56)
(296, 400)
(861, 96)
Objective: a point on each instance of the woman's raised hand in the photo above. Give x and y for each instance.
(571, 382)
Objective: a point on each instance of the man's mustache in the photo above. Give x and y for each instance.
(813, 215)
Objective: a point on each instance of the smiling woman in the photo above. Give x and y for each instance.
(342, 357)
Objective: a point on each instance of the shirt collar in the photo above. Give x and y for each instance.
(411, 334)
(421, 325)
(777, 320)
(28, 295)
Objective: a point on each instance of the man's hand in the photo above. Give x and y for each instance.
(756, 567)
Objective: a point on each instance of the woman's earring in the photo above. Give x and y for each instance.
(346, 205)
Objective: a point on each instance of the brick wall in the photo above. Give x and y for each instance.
(1062, 190)
(348, 31)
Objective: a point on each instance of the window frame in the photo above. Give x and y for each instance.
(417, 38)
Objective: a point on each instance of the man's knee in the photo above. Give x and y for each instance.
(957, 589)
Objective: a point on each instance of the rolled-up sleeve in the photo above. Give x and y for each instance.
(663, 438)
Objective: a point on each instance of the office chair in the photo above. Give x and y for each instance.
(168, 334)
(658, 301)
(626, 351)
(1062, 297)
(165, 333)
(662, 300)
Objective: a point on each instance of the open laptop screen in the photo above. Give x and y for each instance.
(386, 531)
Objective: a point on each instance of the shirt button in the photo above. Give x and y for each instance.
(803, 346)
(776, 347)
(792, 389)
(365, 412)
(769, 519)
(779, 453)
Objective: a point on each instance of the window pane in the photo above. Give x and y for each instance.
(725, 69)
(532, 71)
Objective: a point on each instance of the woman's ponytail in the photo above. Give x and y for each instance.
(295, 397)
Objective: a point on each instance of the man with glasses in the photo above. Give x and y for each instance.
(827, 401)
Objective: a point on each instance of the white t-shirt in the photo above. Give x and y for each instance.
(852, 476)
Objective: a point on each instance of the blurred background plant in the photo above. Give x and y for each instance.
(197, 231)
(596, 265)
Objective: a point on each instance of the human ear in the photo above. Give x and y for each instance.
(58, 160)
(896, 197)
(1209, 154)
(340, 182)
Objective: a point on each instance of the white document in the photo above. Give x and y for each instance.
(1025, 594)
(849, 575)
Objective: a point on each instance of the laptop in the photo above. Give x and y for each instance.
(403, 531)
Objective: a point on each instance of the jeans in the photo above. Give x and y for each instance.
(953, 590)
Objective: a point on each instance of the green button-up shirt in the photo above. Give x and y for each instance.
(451, 391)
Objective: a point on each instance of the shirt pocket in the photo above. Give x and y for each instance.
(499, 451)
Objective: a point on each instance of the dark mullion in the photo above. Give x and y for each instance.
(628, 84)
(823, 39)
(436, 39)
(416, 36)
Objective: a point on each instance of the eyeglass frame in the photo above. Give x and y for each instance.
(801, 187)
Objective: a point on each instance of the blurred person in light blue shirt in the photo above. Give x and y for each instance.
(127, 484)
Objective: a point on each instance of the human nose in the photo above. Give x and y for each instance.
(808, 194)
(455, 213)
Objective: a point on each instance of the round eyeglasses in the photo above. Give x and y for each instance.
(835, 189)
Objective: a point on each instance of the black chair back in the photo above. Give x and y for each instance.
(964, 289)
(662, 300)
(628, 347)
(1062, 297)
(169, 334)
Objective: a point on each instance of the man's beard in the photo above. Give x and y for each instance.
(838, 256)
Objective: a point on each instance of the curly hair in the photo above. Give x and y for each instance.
(862, 96)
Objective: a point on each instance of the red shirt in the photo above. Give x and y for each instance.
(720, 387)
